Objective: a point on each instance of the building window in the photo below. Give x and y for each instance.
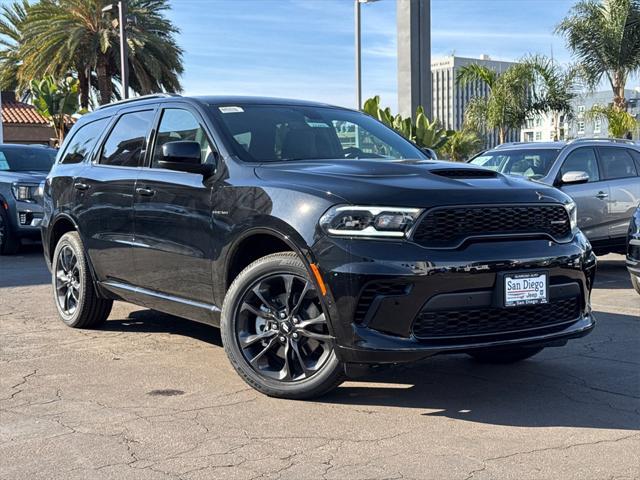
(538, 136)
(538, 122)
(580, 127)
(528, 137)
(529, 123)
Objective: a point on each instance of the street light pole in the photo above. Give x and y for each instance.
(1, 135)
(358, 55)
(124, 47)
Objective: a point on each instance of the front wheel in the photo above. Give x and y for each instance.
(505, 355)
(9, 242)
(275, 331)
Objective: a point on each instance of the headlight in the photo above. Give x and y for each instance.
(350, 221)
(572, 210)
(24, 193)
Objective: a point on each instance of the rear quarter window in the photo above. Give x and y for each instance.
(83, 141)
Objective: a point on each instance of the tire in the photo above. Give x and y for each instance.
(635, 281)
(276, 365)
(82, 308)
(9, 242)
(505, 355)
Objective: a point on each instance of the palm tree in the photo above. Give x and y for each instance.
(56, 101)
(620, 122)
(554, 89)
(12, 19)
(62, 36)
(461, 145)
(605, 38)
(508, 102)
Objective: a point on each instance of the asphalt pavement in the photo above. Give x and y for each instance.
(150, 396)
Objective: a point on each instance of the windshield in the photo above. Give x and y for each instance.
(529, 163)
(26, 159)
(272, 133)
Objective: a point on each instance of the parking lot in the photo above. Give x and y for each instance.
(149, 396)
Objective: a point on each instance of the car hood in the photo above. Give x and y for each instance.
(412, 183)
(34, 177)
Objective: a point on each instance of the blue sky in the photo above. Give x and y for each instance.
(304, 48)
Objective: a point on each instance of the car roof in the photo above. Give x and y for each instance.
(588, 142)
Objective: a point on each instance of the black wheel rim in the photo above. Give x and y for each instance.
(67, 280)
(281, 328)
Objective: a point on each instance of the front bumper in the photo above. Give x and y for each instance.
(27, 217)
(378, 324)
(633, 255)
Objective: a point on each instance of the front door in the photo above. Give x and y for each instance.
(173, 218)
(591, 197)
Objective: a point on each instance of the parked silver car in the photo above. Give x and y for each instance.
(601, 175)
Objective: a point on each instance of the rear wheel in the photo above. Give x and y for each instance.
(505, 355)
(635, 281)
(9, 242)
(74, 292)
(275, 331)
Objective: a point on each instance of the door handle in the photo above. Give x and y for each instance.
(145, 192)
(80, 186)
(602, 195)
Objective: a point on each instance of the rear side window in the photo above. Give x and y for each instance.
(616, 163)
(582, 160)
(83, 141)
(636, 156)
(125, 145)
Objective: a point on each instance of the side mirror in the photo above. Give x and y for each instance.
(574, 178)
(184, 156)
(430, 153)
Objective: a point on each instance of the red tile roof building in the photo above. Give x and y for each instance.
(22, 123)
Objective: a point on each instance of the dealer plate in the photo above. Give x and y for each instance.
(526, 289)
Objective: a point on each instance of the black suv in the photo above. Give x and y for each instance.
(317, 239)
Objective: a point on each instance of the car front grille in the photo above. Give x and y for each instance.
(491, 321)
(448, 227)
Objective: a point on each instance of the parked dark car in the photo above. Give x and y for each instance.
(319, 241)
(633, 250)
(22, 169)
(601, 175)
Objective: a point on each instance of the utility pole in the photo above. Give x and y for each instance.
(358, 55)
(1, 135)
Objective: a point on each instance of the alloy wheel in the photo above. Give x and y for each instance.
(281, 328)
(67, 281)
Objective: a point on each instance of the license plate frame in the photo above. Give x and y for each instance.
(517, 289)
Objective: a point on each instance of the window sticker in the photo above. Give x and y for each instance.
(231, 109)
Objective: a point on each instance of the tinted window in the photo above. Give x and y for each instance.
(616, 163)
(180, 125)
(125, 144)
(528, 163)
(270, 133)
(83, 141)
(26, 159)
(582, 160)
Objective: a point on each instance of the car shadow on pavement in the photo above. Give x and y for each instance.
(612, 275)
(152, 321)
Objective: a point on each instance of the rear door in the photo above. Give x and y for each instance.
(173, 216)
(106, 189)
(591, 197)
(620, 173)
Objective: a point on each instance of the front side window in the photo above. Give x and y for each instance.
(616, 163)
(126, 143)
(272, 133)
(180, 125)
(528, 163)
(26, 159)
(83, 141)
(582, 160)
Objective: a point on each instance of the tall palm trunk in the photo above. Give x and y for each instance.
(83, 86)
(104, 79)
(617, 84)
(502, 133)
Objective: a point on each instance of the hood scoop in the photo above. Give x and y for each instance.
(464, 173)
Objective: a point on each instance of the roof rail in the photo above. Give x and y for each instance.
(137, 99)
(509, 144)
(602, 139)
